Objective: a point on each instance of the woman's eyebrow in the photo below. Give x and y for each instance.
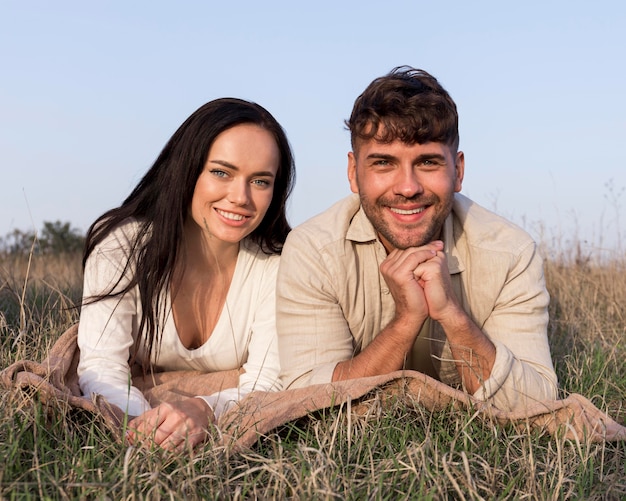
(224, 163)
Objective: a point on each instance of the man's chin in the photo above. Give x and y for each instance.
(408, 245)
(407, 241)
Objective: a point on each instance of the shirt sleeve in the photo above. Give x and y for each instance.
(523, 372)
(105, 333)
(313, 334)
(261, 370)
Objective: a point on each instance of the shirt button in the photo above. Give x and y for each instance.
(384, 291)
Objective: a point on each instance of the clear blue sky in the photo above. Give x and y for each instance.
(91, 91)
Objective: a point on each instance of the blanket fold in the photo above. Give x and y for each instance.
(55, 379)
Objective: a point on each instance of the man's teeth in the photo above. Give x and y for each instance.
(407, 212)
(230, 215)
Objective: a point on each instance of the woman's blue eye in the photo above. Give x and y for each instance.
(218, 172)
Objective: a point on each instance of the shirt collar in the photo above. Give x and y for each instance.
(455, 265)
(361, 229)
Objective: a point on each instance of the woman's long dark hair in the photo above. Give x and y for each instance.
(160, 204)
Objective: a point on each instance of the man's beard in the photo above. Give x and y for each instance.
(415, 235)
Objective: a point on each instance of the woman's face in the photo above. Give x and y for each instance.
(235, 188)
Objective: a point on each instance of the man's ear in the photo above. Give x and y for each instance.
(459, 171)
(352, 173)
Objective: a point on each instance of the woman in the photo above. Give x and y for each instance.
(182, 275)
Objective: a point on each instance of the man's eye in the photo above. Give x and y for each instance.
(431, 164)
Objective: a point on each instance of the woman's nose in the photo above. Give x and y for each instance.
(239, 193)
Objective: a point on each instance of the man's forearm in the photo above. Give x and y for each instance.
(474, 354)
(386, 353)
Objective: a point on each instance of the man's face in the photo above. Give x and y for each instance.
(406, 190)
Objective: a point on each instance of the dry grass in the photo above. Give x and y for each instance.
(38, 295)
(588, 329)
(392, 452)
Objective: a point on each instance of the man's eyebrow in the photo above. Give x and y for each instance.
(224, 163)
(431, 156)
(381, 156)
(422, 157)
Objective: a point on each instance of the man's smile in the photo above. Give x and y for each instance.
(407, 212)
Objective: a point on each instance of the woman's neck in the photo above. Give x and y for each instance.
(200, 286)
(206, 253)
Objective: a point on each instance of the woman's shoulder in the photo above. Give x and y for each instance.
(254, 256)
(256, 272)
(112, 258)
(119, 244)
(122, 237)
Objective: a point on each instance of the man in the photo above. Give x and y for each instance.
(409, 274)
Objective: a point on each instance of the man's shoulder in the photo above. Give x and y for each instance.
(482, 228)
(327, 228)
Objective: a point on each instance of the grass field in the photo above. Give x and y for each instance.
(394, 452)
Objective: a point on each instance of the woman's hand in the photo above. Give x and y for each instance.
(173, 426)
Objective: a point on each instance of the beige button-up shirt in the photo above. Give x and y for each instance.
(332, 300)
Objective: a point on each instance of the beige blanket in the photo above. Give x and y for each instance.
(55, 379)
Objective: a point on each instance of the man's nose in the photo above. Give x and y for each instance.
(408, 184)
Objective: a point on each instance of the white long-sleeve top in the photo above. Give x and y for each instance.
(244, 336)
